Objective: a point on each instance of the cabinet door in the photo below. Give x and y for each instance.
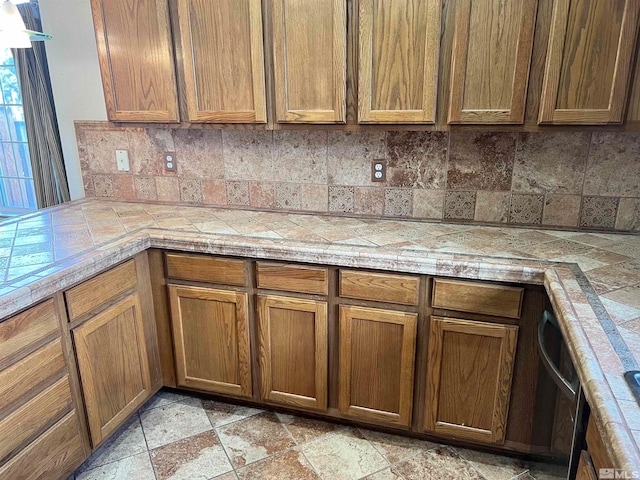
(493, 43)
(589, 61)
(377, 359)
(293, 351)
(399, 43)
(309, 42)
(469, 373)
(136, 60)
(114, 366)
(211, 337)
(223, 60)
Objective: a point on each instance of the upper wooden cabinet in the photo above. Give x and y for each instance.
(492, 49)
(221, 48)
(309, 42)
(136, 60)
(399, 45)
(589, 61)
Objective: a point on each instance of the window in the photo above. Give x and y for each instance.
(17, 193)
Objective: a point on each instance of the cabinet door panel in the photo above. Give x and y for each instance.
(399, 43)
(469, 373)
(309, 41)
(493, 44)
(293, 351)
(377, 356)
(589, 61)
(211, 335)
(223, 60)
(114, 367)
(136, 60)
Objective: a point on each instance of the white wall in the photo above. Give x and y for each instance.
(75, 75)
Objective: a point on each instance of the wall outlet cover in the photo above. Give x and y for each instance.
(169, 161)
(378, 170)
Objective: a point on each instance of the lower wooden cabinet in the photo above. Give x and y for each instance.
(113, 361)
(585, 468)
(469, 373)
(211, 339)
(293, 346)
(377, 358)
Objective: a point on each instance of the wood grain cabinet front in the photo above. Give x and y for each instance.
(211, 339)
(377, 360)
(469, 373)
(293, 351)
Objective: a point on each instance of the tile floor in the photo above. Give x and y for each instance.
(183, 437)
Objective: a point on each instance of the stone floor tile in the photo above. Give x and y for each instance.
(127, 441)
(227, 476)
(162, 398)
(290, 464)
(173, 422)
(493, 467)
(138, 467)
(438, 464)
(254, 438)
(543, 471)
(386, 474)
(343, 455)
(394, 447)
(199, 458)
(304, 430)
(224, 413)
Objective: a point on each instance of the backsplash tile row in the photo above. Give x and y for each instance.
(561, 179)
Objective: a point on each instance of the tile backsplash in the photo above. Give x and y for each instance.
(565, 179)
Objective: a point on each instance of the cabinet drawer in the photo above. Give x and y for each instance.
(34, 416)
(25, 375)
(379, 287)
(293, 278)
(55, 454)
(205, 268)
(100, 290)
(473, 297)
(23, 332)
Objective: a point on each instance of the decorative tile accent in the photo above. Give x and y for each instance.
(481, 161)
(398, 202)
(599, 212)
(551, 162)
(526, 209)
(248, 155)
(238, 193)
(350, 155)
(261, 194)
(628, 214)
(613, 169)
(417, 159)
(492, 207)
(460, 205)
(561, 210)
(103, 185)
(300, 156)
(168, 189)
(190, 190)
(368, 200)
(341, 199)
(145, 188)
(214, 192)
(199, 153)
(288, 196)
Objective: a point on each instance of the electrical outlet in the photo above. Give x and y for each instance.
(122, 160)
(169, 161)
(378, 170)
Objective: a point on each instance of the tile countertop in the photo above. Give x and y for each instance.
(593, 279)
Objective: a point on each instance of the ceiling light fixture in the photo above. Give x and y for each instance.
(13, 32)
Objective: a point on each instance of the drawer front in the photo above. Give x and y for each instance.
(205, 268)
(25, 331)
(17, 381)
(379, 287)
(34, 416)
(483, 298)
(98, 291)
(293, 278)
(55, 454)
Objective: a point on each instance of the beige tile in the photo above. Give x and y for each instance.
(561, 210)
(492, 207)
(147, 149)
(162, 398)
(396, 448)
(386, 474)
(613, 168)
(300, 156)
(286, 465)
(214, 192)
(100, 149)
(417, 159)
(137, 466)
(248, 155)
(437, 464)
(220, 413)
(628, 214)
(491, 466)
(168, 189)
(350, 155)
(428, 204)
(197, 457)
(199, 153)
(314, 198)
(304, 430)
(173, 422)
(262, 194)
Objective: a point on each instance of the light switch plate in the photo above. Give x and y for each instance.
(122, 159)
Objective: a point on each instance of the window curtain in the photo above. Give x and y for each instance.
(43, 137)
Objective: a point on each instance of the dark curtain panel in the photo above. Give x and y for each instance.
(43, 137)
